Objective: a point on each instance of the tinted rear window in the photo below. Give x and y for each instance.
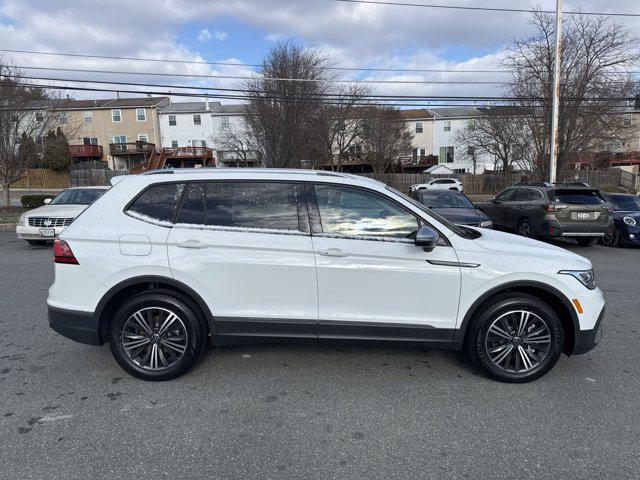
(253, 205)
(158, 202)
(578, 197)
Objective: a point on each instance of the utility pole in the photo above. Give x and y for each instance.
(556, 95)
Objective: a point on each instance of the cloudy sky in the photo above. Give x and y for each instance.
(241, 31)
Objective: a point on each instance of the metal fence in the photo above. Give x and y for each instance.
(93, 177)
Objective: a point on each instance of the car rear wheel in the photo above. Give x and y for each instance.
(516, 338)
(587, 241)
(156, 337)
(612, 240)
(525, 229)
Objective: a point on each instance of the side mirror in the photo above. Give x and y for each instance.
(47, 201)
(495, 200)
(427, 238)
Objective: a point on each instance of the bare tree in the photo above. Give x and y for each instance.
(594, 85)
(385, 137)
(25, 111)
(502, 134)
(238, 141)
(281, 113)
(339, 126)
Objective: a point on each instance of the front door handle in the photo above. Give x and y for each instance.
(191, 244)
(334, 252)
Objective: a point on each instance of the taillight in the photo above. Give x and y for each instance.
(554, 207)
(62, 252)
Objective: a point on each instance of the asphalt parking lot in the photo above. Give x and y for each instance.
(267, 412)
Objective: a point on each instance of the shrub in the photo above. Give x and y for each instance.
(34, 201)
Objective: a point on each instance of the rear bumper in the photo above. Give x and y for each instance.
(552, 228)
(586, 340)
(81, 327)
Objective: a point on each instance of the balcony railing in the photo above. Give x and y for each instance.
(135, 148)
(85, 150)
(178, 152)
(419, 161)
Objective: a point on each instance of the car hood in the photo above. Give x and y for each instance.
(511, 244)
(461, 215)
(66, 211)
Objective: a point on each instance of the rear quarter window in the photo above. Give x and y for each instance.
(157, 203)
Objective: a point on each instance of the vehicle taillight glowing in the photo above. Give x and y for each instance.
(62, 252)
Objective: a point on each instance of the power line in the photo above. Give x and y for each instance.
(486, 9)
(415, 98)
(281, 79)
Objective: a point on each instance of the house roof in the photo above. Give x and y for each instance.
(455, 112)
(435, 168)
(415, 113)
(135, 102)
(201, 107)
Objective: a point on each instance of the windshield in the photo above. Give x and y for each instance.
(625, 203)
(78, 196)
(457, 229)
(445, 200)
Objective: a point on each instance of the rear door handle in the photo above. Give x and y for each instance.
(191, 244)
(334, 252)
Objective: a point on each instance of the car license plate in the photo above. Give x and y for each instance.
(583, 216)
(47, 232)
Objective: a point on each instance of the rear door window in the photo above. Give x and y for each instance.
(263, 205)
(192, 210)
(578, 197)
(157, 203)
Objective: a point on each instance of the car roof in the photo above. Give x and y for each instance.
(92, 187)
(187, 174)
(439, 192)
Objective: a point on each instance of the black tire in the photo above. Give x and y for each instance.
(179, 359)
(525, 229)
(480, 339)
(587, 241)
(37, 243)
(612, 240)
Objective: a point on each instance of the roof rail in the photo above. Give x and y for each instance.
(158, 172)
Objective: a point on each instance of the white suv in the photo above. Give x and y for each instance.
(439, 184)
(244, 255)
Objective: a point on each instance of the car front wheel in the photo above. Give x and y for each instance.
(516, 338)
(156, 337)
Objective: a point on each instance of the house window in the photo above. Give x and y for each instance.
(446, 155)
(172, 120)
(87, 116)
(90, 140)
(62, 118)
(627, 119)
(143, 137)
(174, 143)
(116, 116)
(447, 126)
(39, 117)
(224, 122)
(119, 139)
(419, 128)
(198, 143)
(197, 120)
(141, 115)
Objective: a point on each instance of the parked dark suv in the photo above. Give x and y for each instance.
(564, 210)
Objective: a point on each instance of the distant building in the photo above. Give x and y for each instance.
(121, 131)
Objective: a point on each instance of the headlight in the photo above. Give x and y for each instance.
(22, 220)
(486, 224)
(585, 277)
(629, 221)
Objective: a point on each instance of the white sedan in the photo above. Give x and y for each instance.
(45, 223)
(439, 184)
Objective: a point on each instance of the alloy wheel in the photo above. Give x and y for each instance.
(154, 338)
(518, 341)
(524, 229)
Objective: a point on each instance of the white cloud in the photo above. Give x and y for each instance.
(205, 35)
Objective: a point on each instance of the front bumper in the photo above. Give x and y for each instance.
(25, 232)
(81, 327)
(586, 340)
(630, 235)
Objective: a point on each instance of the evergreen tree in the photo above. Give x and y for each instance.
(56, 151)
(28, 151)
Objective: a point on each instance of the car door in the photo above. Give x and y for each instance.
(513, 208)
(246, 248)
(495, 208)
(373, 282)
